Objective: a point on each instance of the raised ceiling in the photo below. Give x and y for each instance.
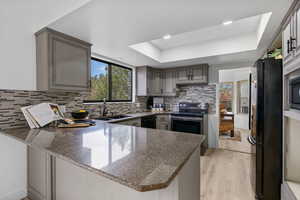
(113, 26)
(243, 35)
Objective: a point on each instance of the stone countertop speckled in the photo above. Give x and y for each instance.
(138, 115)
(143, 159)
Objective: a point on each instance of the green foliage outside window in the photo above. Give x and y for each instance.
(110, 81)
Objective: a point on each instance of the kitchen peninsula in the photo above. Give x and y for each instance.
(111, 162)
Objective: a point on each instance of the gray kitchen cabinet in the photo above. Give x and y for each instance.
(170, 78)
(39, 174)
(199, 73)
(158, 82)
(63, 62)
(183, 75)
(163, 122)
(196, 74)
(286, 42)
(149, 81)
(142, 81)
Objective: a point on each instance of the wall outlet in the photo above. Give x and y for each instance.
(138, 105)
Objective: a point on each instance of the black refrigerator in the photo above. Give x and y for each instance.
(266, 128)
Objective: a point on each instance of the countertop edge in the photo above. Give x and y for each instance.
(140, 188)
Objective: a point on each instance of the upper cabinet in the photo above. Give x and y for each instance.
(291, 38)
(63, 62)
(197, 74)
(170, 78)
(153, 82)
(157, 82)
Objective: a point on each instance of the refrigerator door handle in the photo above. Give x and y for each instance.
(251, 140)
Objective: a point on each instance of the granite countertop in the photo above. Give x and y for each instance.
(138, 115)
(143, 159)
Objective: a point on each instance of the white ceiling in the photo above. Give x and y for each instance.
(219, 32)
(112, 26)
(243, 35)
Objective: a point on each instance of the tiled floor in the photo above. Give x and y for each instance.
(235, 145)
(225, 175)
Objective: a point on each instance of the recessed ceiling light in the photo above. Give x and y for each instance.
(166, 37)
(227, 23)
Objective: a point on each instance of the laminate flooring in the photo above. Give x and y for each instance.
(234, 145)
(225, 175)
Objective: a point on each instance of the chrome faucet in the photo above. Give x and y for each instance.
(103, 108)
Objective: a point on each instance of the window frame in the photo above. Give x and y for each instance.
(109, 74)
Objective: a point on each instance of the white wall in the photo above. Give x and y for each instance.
(13, 171)
(235, 75)
(19, 21)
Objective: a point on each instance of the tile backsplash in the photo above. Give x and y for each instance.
(12, 100)
(195, 93)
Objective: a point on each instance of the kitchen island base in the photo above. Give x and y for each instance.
(76, 183)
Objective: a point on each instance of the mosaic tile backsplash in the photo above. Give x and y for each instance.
(12, 100)
(195, 93)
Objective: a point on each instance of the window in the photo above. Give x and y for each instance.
(110, 81)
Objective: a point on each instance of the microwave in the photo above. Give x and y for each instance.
(295, 93)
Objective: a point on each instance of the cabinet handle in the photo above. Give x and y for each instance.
(288, 46)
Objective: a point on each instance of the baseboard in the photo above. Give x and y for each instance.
(18, 195)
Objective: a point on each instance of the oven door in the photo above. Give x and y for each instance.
(187, 124)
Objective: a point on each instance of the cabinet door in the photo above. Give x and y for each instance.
(39, 180)
(199, 74)
(69, 64)
(163, 126)
(183, 75)
(170, 83)
(156, 83)
(286, 42)
(297, 31)
(142, 81)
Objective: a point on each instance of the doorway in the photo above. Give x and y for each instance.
(233, 107)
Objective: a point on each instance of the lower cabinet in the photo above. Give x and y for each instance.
(39, 174)
(132, 122)
(163, 122)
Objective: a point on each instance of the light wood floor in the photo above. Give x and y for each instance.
(242, 146)
(225, 176)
